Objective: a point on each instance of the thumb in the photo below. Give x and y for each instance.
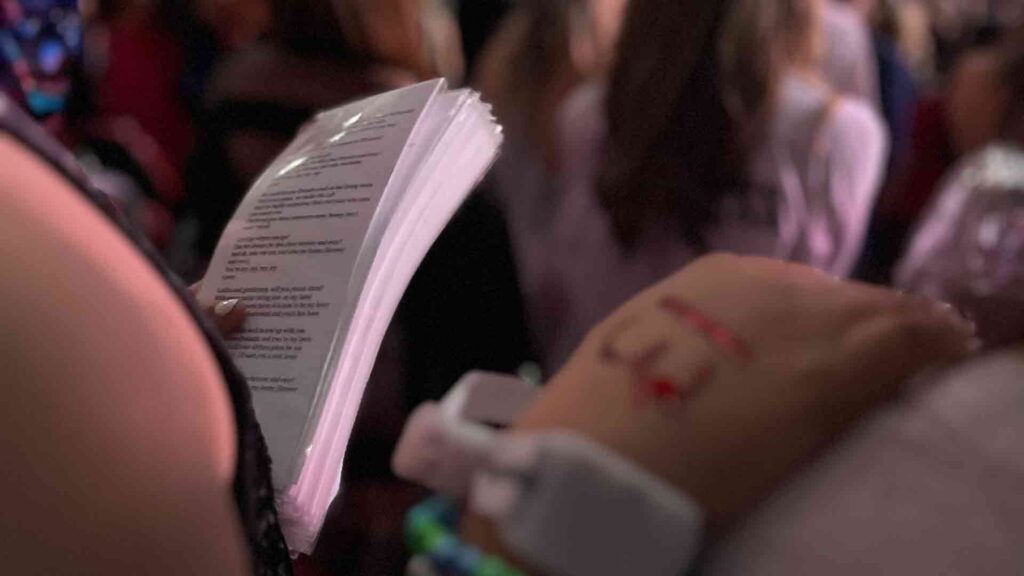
(227, 315)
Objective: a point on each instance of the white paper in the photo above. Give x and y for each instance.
(321, 250)
(289, 254)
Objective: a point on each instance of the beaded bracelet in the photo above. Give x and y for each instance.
(428, 534)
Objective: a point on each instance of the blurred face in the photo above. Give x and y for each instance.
(40, 40)
(977, 101)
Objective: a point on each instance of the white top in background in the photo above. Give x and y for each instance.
(573, 272)
(848, 62)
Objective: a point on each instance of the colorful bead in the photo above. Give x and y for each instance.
(446, 553)
(428, 535)
(467, 560)
(432, 536)
(489, 566)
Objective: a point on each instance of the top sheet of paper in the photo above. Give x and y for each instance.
(289, 253)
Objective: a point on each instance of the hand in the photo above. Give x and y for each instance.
(228, 316)
(726, 376)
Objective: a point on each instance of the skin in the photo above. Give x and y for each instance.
(226, 323)
(823, 352)
(100, 475)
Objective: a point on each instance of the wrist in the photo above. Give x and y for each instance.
(552, 500)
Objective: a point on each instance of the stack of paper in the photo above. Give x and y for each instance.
(321, 250)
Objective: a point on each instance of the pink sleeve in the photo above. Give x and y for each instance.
(857, 148)
(849, 58)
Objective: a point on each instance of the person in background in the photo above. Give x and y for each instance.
(969, 246)
(917, 39)
(317, 54)
(540, 53)
(41, 43)
(142, 82)
(897, 90)
(898, 100)
(730, 141)
(931, 483)
(129, 438)
(863, 58)
(443, 42)
(848, 62)
(139, 450)
(953, 118)
(976, 99)
(149, 62)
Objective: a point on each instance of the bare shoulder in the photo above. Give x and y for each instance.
(116, 431)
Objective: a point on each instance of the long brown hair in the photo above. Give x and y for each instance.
(689, 98)
(527, 69)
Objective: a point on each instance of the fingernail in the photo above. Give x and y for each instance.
(224, 308)
(947, 309)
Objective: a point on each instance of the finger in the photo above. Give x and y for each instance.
(859, 302)
(867, 301)
(935, 335)
(924, 305)
(228, 316)
(893, 348)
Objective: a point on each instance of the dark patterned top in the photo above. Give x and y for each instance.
(254, 494)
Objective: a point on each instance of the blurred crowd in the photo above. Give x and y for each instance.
(854, 113)
(876, 139)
